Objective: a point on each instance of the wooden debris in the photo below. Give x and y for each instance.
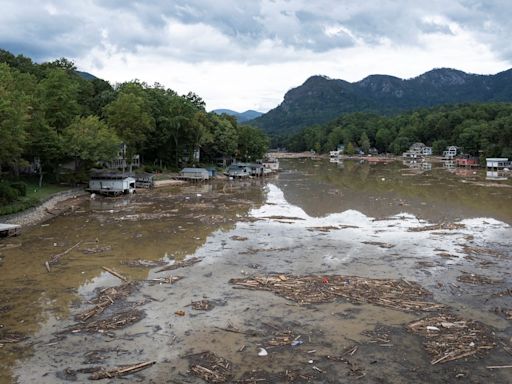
(143, 263)
(210, 367)
(311, 289)
(277, 217)
(472, 278)
(120, 371)
(97, 249)
(449, 337)
(116, 321)
(379, 244)
(11, 337)
(239, 238)
(181, 264)
(323, 229)
(56, 258)
(105, 298)
(499, 366)
(202, 305)
(435, 227)
(505, 312)
(166, 280)
(114, 273)
(478, 251)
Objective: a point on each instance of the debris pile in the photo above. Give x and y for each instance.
(116, 321)
(105, 298)
(181, 264)
(210, 367)
(143, 263)
(436, 227)
(202, 305)
(103, 373)
(379, 244)
(165, 280)
(449, 337)
(7, 337)
(96, 249)
(473, 278)
(311, 289)
(239, 238)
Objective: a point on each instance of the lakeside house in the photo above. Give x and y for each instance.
(111, 184)
(417, 150)
(120, 161)
(451, 152)
(497, 163)
(467, 161)
(194, 174)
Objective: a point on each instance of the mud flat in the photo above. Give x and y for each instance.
(237, 284)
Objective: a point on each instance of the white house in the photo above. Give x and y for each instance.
(111, 184)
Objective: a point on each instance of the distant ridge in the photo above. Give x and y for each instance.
(85, 75)
(321, 99)
(240, 116)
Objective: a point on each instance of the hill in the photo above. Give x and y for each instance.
(321, 99)
(240, 116)
(85, 75)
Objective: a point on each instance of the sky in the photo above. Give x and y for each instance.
(246, 54)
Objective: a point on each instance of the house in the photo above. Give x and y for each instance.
(238, 170)
(196, 174)
(111, 184)
(8, 230)
(334, 154)
(450, 152)
(495, 163)
(467, 161)
(144, 180)
(271, 163)
(119, 162)
(256, 170)
(418, 150)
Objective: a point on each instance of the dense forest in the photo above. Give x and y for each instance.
(50, 114)
(480, 129)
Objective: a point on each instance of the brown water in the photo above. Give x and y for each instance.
(203, 220)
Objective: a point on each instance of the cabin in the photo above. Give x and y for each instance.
(496, 163)
(111, 184)
(417, 150)
(238, 170)
(194, 174)
(271, 163)
(8, 230)
(450, 152)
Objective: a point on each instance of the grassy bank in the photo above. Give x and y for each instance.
(34, 196)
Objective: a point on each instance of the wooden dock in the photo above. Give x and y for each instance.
(7, 230)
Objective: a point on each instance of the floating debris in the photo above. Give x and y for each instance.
(210, 367)
(276, 217)
(165, 280)
(239, 238)
(478, 251)
(449, 337)
(398, 294)
(506, 292)
(94, 250)
(143, 263)
(202, 305)
(379, 244)
(323, 229)
(7, 337)
(435, 227)
(505, 312)
(473, 278)
(103, 373)
(105, 298)
(181, 264)
(116, 321)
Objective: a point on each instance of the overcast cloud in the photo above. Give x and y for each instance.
(247, 54)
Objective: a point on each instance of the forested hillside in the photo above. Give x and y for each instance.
(54, 114)
(481, 129)
(321, 99)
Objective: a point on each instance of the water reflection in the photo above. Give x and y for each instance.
(496, 175)
(381, 190)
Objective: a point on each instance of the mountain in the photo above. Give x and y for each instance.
(321, 99)
(240, 116)
(85, 75)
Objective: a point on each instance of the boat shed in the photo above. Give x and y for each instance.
(238, 170)
(196, 174)
(111, 184)
(498, 163)
(7, 230)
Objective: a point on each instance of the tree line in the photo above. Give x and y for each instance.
(52, 115)
(480, 129)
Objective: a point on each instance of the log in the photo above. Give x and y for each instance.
(114, 273)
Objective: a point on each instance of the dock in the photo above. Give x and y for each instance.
(8, 230)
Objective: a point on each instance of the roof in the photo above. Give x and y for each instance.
(496, 159)
(193, 170)
(110, 176)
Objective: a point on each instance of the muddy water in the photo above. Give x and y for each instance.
(255, 228)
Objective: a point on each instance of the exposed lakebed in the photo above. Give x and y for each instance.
(447, 237)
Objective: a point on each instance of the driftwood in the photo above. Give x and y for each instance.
(311, 289)
(121, 371)
(473, 278)
(210, 367)
(55, 258)
(181, 264)
(435, 227)
(117, 321)
(114, 273)
(449, 337)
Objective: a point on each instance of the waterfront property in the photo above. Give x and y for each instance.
(111, 184)
(194, 174)
(467, 161)
(417, 150)
(271, 163)
(450, 152)
(238, 170)
(145, 180)
(496, 163)
(120, 161)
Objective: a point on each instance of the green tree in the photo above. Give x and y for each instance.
(364, 142)
(252, 143)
